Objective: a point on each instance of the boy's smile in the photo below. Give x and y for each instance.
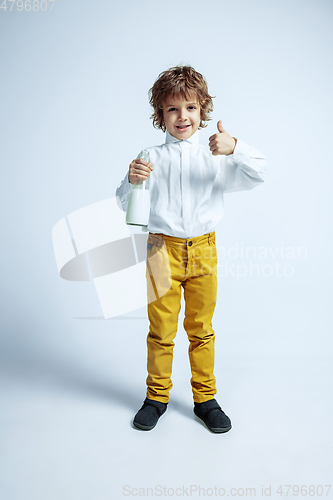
(181, 117)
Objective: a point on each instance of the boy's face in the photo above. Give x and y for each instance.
(181, 117)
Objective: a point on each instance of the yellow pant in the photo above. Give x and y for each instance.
(173, 263)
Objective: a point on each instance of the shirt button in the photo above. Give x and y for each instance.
(190, 243)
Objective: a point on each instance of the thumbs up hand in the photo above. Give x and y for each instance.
(221, 143)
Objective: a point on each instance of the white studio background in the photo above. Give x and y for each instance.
(74, 113)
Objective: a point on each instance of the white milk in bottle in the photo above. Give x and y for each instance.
(139, 201)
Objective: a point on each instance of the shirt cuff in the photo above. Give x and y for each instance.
(123, 192)
(234, 147)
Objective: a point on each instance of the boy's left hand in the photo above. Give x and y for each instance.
(222, 143)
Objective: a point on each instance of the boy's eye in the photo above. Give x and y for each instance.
(190, 107)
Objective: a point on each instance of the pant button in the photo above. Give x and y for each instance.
(190, 243)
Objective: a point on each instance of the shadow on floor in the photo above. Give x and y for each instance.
(69, 376)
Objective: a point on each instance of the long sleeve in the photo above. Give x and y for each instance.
(244, 169)
(122, 193)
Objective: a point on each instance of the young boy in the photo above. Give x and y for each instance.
(187, 182)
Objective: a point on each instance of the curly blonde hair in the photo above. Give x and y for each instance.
(183, 81)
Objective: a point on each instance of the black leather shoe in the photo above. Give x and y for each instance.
(148, 415)
(211, 413)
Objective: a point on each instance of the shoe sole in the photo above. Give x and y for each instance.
(215, 430)
(143, 427)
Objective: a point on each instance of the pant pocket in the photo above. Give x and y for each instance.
(158, 272)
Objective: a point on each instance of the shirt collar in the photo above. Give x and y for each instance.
(194, 139)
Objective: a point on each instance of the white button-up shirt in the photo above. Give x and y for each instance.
(188, 183)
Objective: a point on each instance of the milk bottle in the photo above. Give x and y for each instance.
(138, 207)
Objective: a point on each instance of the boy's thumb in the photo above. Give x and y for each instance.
(219, 126)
